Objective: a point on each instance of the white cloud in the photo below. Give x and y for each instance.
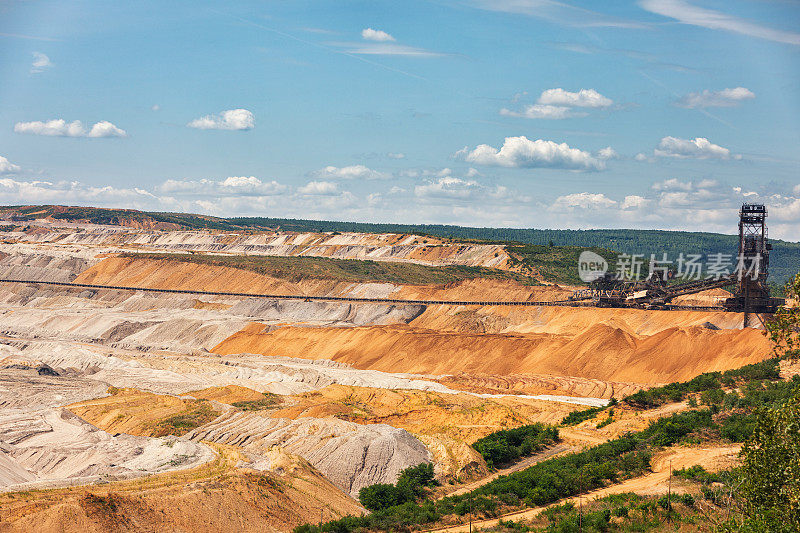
(797, 190)
(40, 62)
(686, 13)
(350, 173)
(535, 111)
(558, 12)
(450, 187)
(232, 119)
(319, 188)
(641, 157)
(155, 107)
(35, 192)
(582, 98)
(634, 202)
(376, 35)
(674, 184)
(387, 48)
(521, 152)
(230, 186)
(723, 98)
(396, 155)
(583, 200)
(7, 166)
(61, 128)
(556, 104)
(698, 148)
(607, 154)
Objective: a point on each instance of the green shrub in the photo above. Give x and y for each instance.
(508, 445)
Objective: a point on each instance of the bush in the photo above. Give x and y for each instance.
(508, 445)
(410, 486)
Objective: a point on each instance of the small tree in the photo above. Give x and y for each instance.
(784, 327)
(771, 468)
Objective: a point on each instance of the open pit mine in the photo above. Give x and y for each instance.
(149, 382)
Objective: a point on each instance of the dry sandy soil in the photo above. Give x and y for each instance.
(145, 411)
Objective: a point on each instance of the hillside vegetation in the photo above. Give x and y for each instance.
(294, 268)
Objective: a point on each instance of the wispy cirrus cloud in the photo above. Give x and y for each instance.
(61, 128)
(559, 13)
(686, 13)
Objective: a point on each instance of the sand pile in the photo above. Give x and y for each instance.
(461, 417)
(351, 455)
(601, 352)
(43, 445)
(217, 496)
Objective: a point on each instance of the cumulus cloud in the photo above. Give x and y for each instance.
(521, 152)
(679, 204)
(583, 200)
(698, 148)
(634, 202)
(723, 98)
(319, 188)
(582, 98)
(7, 166)
(40, 62)
(607, 154)
(351, 172)
(376, 35)
(450, 187)
(686, 13)
(556, 104)
(39, 191)
(232, 119)
(230, 186)
(62, 128)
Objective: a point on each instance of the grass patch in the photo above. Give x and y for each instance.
(350, 270)
(197, 414)
(557, 264)
(268, 401)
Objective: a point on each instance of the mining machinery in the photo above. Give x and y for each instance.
(748, 281)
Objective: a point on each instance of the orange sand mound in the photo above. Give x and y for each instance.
(600, 352)
(163, 274)
(538, 384)
(140, 413)
(214, 497)
(460, 417)
(227, 394)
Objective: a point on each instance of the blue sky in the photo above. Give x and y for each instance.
(522, 113)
